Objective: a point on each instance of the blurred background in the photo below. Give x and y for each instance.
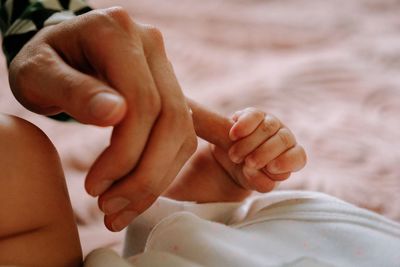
(329, 69)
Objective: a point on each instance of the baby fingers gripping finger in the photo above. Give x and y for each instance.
(246, 122)
(271, 148)
(269, 126)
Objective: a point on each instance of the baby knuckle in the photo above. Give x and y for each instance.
(235, 150)
(280, 177)
(278, 164)
(285, 137)
(254, 112)
(151, 188)
(266, 187)
(259, 114)
(253, 158)
(250, 109)
(269, 126)
(285, 176)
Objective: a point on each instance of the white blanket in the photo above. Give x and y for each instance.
(278, 229)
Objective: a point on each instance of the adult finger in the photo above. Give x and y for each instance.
(204, 119)
(171, 143)
(47, 85)
(123, 63)
(146, 190)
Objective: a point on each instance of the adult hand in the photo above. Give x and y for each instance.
(104, 69)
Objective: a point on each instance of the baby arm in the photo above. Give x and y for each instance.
(37, 226)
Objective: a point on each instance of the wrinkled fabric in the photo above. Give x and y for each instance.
(286, 228)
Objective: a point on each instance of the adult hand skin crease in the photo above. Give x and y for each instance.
(126, 81)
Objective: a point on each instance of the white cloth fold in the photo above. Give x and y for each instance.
(277, 229)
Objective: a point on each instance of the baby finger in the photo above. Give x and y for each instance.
(291, 161)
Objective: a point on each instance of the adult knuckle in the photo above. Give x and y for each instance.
(97, 17)
(24, 70)
(173, 113)
(117, 13)
(153, 40)
(155, 100)
(109, 19)
(94, 25)
(152, 103)
(19, 79)
(155, 35)
(177, 117)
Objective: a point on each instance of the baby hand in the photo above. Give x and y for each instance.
(265, 148)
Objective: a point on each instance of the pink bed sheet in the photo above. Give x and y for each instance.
(330, 69)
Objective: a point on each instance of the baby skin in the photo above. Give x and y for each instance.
(251, 152)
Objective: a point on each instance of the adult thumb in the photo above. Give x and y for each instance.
(61, 88)
(104, 108)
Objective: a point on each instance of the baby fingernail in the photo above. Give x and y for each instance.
(100, 188)
(123, 220)
(234, 157)
(273, 168)
(114, 205)
(251, 163)
(249, 172)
